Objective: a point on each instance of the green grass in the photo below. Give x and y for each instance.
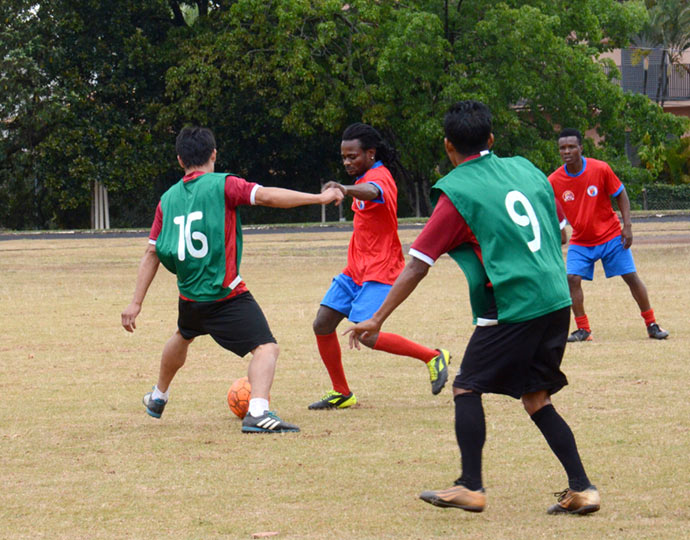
(79, 458)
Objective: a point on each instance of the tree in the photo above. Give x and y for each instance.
(668, 28)
(279, 80)
(81, 87)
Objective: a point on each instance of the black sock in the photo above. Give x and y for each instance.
(562, 442)
(470, 432)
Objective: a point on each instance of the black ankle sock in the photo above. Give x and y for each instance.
(470, 432)
(562, 442)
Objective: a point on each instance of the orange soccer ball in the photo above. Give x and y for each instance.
(238, 396)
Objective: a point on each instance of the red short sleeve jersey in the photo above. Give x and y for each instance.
(375, 252)
(446, 229)
(586, 201)
(238, 191)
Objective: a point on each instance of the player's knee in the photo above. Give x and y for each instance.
(322, 326)
(267, 349)
(535, 401)
(574, 280)
(633, 280)
(177, 335)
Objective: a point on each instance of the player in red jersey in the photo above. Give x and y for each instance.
(584, 187)
(374, 260)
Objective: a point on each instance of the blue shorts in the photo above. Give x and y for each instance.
(357, 302)
(615, 259)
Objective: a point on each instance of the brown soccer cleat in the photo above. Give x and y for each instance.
(576, 502)
(456, 497)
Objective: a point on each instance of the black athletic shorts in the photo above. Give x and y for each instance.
(516, 358)
(236, 324)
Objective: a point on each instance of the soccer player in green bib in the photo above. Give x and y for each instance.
(496, 217)
(196, 234)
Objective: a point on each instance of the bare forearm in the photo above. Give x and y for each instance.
(407, 281)
(284, 198)
(624, 206)
(147, 271)
(364, 192)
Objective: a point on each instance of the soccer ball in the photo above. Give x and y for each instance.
(238, 396)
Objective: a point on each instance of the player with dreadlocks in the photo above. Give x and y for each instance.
(374, 261)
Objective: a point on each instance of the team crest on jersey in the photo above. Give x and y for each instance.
(568, 196)
(592, 191)
(360, 204)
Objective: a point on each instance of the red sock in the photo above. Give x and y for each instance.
(395, 344)
(583, 322)
(329, 349)
(648, 316)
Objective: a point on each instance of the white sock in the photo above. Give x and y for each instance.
(157, 394)
(258, 406)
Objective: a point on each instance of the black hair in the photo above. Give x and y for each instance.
(467, 125)
(195, 145)
(571, 132)
(368, 138)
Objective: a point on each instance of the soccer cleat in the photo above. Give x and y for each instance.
(655, 331)
(154, 407)
(269, 422)
(580, 335)
(334, 400)
(438, 370)
(576, 502)
(457, 496)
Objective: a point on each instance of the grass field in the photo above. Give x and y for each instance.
(79, 458)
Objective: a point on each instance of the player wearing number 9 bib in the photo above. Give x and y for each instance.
(496, 217)
(196, 234)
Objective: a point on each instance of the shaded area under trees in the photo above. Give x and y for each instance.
(97, 91)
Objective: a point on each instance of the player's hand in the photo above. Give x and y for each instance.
(332, 194)
(361, 330)
(332, 184)
(129, 316)
(626, 236)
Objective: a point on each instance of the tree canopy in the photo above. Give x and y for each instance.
(97, 91)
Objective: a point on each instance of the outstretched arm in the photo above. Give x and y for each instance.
(626, 230)
(365, 191)
(288, 198)
(407, 281)
(147, 271)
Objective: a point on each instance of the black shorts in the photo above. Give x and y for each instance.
(516, 358)
(236, 324)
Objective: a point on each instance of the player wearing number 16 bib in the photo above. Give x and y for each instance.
(496, 217)
(196, 234)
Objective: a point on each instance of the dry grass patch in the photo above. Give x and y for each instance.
(80, 459)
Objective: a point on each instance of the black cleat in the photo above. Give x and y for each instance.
(654, 331)
(438, 370)
(334, 400)
(154, 407)
(269, 422)
(580, 335)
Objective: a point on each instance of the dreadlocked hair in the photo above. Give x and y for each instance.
(369, 137)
